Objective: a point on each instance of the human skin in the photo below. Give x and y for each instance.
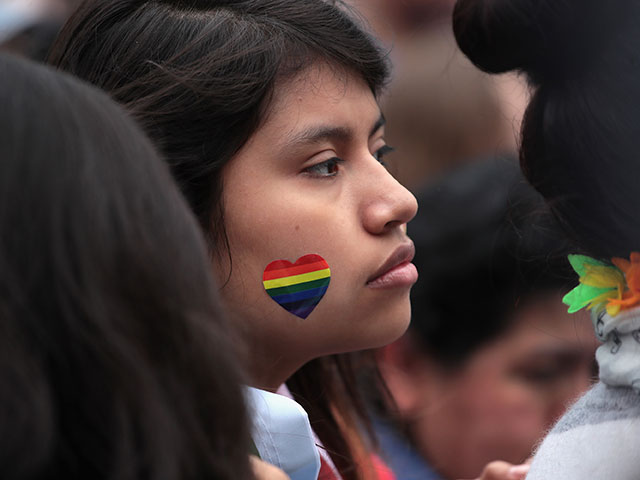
(500, 403)
(286, 196)
(265, 471)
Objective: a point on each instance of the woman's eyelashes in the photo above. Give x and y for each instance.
(381, 152)
(331, 166)
(328, 168)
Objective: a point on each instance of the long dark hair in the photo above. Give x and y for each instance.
(199, 76)
(581, 132)
(114, 356)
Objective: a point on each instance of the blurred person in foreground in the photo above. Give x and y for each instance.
(491, 358)
(115, 357)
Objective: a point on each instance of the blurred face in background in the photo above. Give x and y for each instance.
(500, 402)
(398, 17)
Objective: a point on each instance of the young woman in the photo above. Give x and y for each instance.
(580, 144)
(114, 357)
(266, 112)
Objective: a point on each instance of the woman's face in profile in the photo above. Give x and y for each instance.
(311, 181)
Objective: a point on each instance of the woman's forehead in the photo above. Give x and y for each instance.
(320, 79)
(321, 96)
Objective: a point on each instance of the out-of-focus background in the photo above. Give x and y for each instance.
(28, 27)
(491, 358)
(442, 112)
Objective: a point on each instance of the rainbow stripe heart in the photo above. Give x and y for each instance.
(297, 287)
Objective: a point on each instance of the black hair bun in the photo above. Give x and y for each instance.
(543, 38)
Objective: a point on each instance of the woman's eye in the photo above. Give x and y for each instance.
(542, 376)
(380, 153)
(547, 374)
(328, 168)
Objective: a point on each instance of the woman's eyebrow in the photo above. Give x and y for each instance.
(317, 134)
(557, 352)
(379, 123)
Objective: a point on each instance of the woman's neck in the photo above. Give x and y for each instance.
(268, 371)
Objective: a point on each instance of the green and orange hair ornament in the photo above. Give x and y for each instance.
(613, 287)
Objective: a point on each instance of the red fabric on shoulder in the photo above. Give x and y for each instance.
(326, 472)
(383, 472)
(381, 468)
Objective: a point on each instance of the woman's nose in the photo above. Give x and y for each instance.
(388, 204)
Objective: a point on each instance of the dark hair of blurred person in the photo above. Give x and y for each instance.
(491, 357)
(115, 362)
(585, 89)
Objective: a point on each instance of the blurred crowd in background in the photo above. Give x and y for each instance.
(491, 358)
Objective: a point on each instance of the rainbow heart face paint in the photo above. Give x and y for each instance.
(297, 287)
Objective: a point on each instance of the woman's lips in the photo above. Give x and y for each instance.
(397, 271)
